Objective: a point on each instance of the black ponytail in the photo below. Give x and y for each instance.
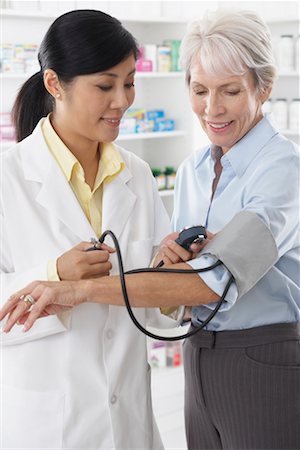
(79, 42)
(32, 103)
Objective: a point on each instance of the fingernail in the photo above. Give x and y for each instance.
(25, 328)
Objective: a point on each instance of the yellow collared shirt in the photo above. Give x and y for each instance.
(110, 165)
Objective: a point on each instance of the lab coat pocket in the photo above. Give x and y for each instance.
(31, 419)
(139, 253)
(43, 327)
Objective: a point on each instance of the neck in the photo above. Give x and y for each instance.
(87, 152)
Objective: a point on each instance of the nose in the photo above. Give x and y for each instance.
(213, 105)
(121, 100)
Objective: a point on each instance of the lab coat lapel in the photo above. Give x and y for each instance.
(118, 202)
(55, 194)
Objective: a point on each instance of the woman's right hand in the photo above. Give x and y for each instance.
(78, 264)
(49, 297)
(171, 253)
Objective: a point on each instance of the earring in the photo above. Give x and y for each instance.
(57, 95)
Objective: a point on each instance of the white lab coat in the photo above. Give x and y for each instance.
(82, 382)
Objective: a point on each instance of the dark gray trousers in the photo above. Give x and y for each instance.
(242, 388)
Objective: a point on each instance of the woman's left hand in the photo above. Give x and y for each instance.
(49, 297)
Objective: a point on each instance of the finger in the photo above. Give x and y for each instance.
(108, 248)
(8, 306)
(15, 298)
(169, 255)
(98, 269)
(182, 253)
(98, 256)
(20, 309)
(167, 261)
(196, 248)
(23, 318)
(175, 253)
(37, 310)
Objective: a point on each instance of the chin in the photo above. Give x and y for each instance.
(109, 137)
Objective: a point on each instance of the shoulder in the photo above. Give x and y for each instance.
(193, 160)
(16, 150)
(11, 156)
(132, 161)
(280, 151)
(275, 145)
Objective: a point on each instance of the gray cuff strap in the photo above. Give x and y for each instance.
(246, 247)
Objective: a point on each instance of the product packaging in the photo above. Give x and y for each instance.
(174, 45)
(170, 174)
(157, 355)
(173, 354)
(164, 58)
(127, 125)
(286, 61)
(294, 115)
(150, 54)
(160, 178)
(164, 125)
(280, 111)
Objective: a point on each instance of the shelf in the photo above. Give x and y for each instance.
(28, 14)
(25, 76)
(289, 133)
(38, 14)
(159, 75)
(166, 193)
(126, 137)
(52, 14)
(153, 135)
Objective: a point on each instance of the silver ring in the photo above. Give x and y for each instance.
(28, 299)
(96, 244)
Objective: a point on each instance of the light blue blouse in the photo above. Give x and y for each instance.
(261, 175)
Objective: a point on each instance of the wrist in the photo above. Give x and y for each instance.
(90, 288)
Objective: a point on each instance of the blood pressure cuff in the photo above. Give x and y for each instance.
(247, 249)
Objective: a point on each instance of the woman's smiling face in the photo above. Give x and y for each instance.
(227, 107)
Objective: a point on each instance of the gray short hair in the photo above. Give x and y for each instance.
(230, 42)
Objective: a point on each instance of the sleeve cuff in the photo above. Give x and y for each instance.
(52, 274)
(216, 279)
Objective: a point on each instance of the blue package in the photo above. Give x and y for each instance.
(155, 114)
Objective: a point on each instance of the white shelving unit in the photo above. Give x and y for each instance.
(151, 23)
(154, 90)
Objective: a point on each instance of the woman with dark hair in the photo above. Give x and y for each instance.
(80, 378)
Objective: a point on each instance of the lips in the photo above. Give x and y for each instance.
(112, 122)
(219, 127)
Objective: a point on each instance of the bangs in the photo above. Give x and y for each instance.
(228, 62)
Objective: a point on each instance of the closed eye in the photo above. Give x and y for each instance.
(232, 93)
(104, 88)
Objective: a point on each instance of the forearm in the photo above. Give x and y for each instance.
(152, 289)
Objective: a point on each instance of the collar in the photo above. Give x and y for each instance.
(111, 161)
(246, 149)
(64, 157)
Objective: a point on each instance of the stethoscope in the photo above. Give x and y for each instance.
(186, 237)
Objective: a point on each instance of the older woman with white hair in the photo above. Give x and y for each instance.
(243, 369)
(243, 373)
